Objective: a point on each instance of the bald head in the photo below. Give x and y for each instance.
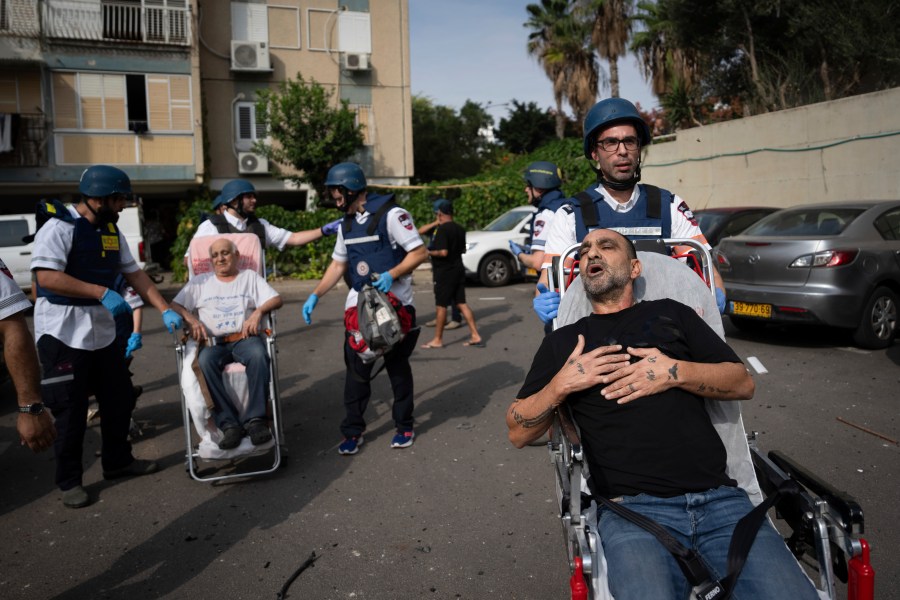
(224, 255)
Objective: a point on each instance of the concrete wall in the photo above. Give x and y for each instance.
(841, 150)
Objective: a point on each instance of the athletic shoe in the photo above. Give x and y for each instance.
(350, 445)
(258, 431)
(432, 323)
(76, 497)
(403, 439)
(453, 325)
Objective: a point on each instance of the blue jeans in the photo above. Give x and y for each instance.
(250, 352)
(640, 567)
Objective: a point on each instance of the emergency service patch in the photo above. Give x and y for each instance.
(110, 242)
(406, 221)
(538, 227)
(362, 268)
(683, 209)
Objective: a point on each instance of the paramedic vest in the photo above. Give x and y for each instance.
(649, 219)
(94, 258)
(254, 226)
(551, 200)
(369, 248)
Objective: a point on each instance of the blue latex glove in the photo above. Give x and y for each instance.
(115, 303)
(172, 320)
(516, 249)
(134, 343)
(308, 308)
(720, 300)
(546, 304)
(331, 228)
(384, 282)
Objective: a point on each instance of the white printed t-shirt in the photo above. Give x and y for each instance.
(223, 306)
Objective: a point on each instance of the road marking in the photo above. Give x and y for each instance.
(854, 350)
(494, 298)
(756, 364)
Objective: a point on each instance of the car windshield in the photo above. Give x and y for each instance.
(805, 222)
(708, 220)
(506, 221)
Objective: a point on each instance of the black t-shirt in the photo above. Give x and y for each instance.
(449, 236)
(663, 445)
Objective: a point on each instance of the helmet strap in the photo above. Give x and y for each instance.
(619, 186)
(237, 205)
(349, 199)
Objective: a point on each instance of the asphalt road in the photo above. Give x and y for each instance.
(460, 514)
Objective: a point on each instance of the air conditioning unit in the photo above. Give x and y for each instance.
(356, 61)
(250, 56)
(252, 164)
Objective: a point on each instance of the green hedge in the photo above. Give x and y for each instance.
(476, 202)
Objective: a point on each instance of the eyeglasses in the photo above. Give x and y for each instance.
(612, 144)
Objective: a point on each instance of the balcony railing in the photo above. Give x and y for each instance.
(19, 18)
(148, 21)
(29, 142)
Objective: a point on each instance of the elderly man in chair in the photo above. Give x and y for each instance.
(230, 304)
(634, 375)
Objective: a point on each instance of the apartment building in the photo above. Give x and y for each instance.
(96, 81)
(359, 49)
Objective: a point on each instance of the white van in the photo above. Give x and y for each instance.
(17, 254)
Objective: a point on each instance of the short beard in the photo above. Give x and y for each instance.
(606, 288)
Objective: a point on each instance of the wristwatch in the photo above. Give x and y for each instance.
(33, 409)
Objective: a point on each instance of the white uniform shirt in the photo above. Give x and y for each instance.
(401, 232)
(12, 299)
(223, 306)
(275, 236)
(562, 227)
(83, 327)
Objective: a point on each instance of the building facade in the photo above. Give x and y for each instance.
(358, 49)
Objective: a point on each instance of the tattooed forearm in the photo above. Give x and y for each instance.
(709, 390)
(673, 372)
(529, 422)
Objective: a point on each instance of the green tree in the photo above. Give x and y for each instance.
(610, 30)
(560, 41)
(525, 128)
(448, 144)
(310, 133)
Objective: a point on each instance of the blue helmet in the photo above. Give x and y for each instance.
(348, 175)
(543, 175)
(100, 181)
(233, 189)
(608, 112)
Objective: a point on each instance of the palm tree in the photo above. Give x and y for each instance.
(611, 28)
(558, 41)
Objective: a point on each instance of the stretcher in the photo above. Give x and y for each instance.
(826, 524)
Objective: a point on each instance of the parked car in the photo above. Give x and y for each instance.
(832, 264)
(488, 257)
(718, 223)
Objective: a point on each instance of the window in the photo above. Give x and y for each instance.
(12, 232)
(247, 129)
(366, 118)
(132, 102)
(354, 32)
(888, 225)
(249, 22)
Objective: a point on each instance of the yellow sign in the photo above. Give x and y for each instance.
(110, 242)
(745, 309)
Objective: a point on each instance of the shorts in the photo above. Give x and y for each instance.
(450, 287)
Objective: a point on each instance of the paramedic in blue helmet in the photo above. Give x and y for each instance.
(542, 182)
(378, 243)
(76, 258)
(614, 134)
(235, 212)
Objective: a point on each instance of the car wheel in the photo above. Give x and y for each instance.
(495, 270)
(878, 325)
(747, 324)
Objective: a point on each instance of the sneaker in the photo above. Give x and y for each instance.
(231, 438)
(453, 325)
(136, 468)
(403, 439)
(431, 323)
(258, 431)
(350, 445)
(76, 497)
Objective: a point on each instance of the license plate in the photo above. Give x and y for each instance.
(745, 309)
